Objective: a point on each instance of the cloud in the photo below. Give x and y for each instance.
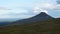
(58, 1)
(45, 6)
(14, 13)
(4, 8)
(20, 16)
(57, 7)
(40, 10)
(22, 10)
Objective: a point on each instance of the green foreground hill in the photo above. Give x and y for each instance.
(41, 27)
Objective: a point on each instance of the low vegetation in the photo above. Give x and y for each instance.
(41, 27)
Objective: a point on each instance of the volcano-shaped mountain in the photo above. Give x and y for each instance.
(40, 17)
(34, 25)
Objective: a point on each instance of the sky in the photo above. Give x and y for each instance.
(21, 9)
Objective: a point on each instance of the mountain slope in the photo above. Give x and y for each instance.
(41, 27)
(40, 17)
(39, 24)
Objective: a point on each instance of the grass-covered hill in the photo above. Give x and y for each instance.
(41, 27)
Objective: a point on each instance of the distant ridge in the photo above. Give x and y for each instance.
(40, 17)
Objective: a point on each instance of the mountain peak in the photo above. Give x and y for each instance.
(40, 17)
(42, 13)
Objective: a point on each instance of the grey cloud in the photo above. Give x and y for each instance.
(58, 1)
(57, 7)
(4, 8)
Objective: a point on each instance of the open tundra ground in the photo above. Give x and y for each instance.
(41, 27)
